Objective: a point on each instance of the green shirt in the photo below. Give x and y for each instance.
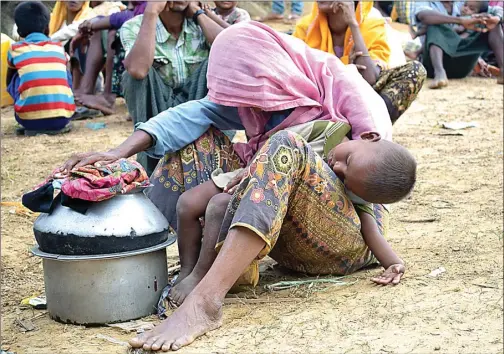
(174, 59)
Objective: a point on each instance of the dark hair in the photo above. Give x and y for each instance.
(31, 17)
(483, 7)
(393, 176)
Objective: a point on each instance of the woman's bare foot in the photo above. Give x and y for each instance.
(197, 316)
(440, 80)
(181, 290)
(99, 102)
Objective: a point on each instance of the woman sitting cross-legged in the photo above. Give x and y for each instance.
(355, 35)
(295, 200)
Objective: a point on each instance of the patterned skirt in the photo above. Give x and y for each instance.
(293, 200)
(400, 86)
(189, 167)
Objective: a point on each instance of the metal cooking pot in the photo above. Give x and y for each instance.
(123, 223)
(107, 288)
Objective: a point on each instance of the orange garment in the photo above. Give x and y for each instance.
(314, 30)
(6, 98)
(59, 15)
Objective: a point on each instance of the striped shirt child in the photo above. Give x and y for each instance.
(42, 87)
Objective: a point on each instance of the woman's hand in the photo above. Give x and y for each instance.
(233, 184)
(89, 158)
(348, 10)
(391, 275)
(354, 56)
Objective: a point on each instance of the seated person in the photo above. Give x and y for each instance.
(446, 54)
(170, 68)
(350, 31)
(37, 77)
(104, 48)
(388, 178)
(226, 13)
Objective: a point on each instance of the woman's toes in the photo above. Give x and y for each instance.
(150, 341)
(182, 342)
(138, 341)
(158, 344)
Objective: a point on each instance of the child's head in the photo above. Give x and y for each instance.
(74, 6)
(226, 5)
(378, 171)
(474, 7)
(31, 17)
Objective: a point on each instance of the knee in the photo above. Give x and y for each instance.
(185, 207)
(288, 138)
(217, 206)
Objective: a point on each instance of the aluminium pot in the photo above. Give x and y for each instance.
(98, 289)
(126, 222)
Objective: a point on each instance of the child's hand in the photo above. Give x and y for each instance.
(391, 275)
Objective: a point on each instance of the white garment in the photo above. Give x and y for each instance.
(394, 40)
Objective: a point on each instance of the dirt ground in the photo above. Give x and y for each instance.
(453, 220)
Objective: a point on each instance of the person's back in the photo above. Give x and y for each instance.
(38, 80)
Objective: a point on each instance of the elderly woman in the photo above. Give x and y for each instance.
(290, 203)
(354, 34)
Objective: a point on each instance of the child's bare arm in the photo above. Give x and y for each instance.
(394, 266)
(214, 17)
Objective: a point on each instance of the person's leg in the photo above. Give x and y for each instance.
(201, 312)
(277, 11)
(191, 207)
(106, 102)
(94, 64)
(400, 86)
(495, 41)
(214, 215)
(296, 10)
(436, 58)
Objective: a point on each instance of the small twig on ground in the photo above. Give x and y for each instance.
(419, 221)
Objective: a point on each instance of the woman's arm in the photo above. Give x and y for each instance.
(371, 71)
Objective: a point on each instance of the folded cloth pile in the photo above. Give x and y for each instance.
(87, 184)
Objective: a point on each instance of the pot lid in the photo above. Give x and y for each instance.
(120, 224)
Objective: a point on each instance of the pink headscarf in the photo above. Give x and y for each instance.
(261, 71)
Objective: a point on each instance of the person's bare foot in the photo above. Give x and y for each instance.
(180, 291)
(271, 17)
(99, 102)
(197, 316)
(440, 80)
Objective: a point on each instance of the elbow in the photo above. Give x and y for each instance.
(136, 72)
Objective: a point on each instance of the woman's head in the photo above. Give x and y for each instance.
(74, 6)
(226, 5)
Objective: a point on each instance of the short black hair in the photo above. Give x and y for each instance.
(31, 17)
(483, 7)
(393, 176)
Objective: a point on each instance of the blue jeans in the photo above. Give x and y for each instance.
(56, 123)
(279, 7)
